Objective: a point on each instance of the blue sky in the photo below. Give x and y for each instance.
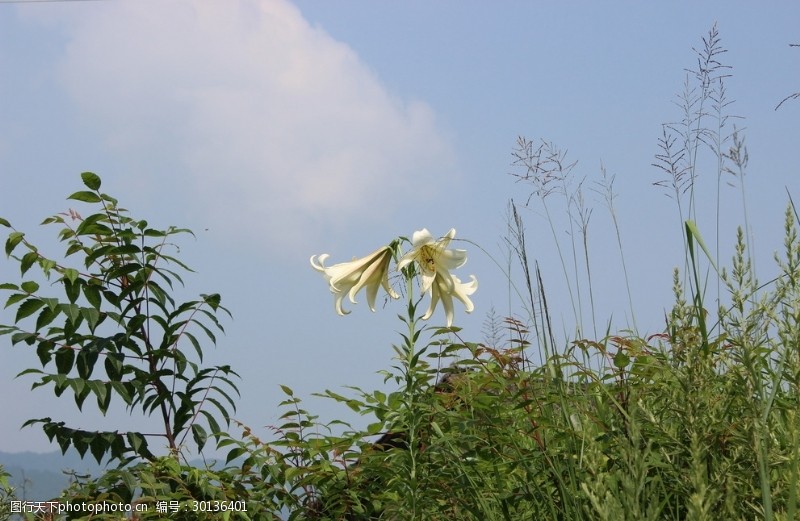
(280, 130)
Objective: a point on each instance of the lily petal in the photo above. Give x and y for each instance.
(348, 278)
(434, 262)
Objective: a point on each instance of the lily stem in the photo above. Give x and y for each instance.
(411, 384)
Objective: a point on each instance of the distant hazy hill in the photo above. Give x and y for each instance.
(40, 476)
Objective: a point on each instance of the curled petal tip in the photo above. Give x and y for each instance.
(318, 261)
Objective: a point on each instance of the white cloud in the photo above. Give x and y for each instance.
(275, 123)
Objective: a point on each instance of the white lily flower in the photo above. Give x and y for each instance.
(444, 288)
(347, 278)
(435, 262)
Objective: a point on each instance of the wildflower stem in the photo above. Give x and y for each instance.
(412, 419)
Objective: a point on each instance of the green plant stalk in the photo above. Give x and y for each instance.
(607, 192)
(575, 311)
(795, 466)
(411, 383)
(589, 277)
(624, 268)
(574, 255)
(760, 435)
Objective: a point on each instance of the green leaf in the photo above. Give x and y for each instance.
(113, 368)
(98, 447)
(12, 241)
(80, 443)
(47, 265)
(63, 441)
(374, 428)
(27, 261)
(71, 274)
(65, 234)
(354, 405)
(46, 316)
(125, 269)
(30, 287)
(131, 482)
(92, 317)
(212, 423)
(693, 231)
(52, 219)
(73, 311)
(195, 344)
(212, 300)
(207, 331)
(125, 249)
(234, 453)
(72, 289)
(86, 197)
(87, 358)
(200, 436)
(101, 390)
(29, 371)
(87, 228)
(91, 180)
(96, 253)
(112, 298)
(118, 448)
(92, 294)
(5, 223)
(221, 408)
(81, 391)
(28, 308)
(122, 391)
(138, 443)
(16, 297)
(135, 323)
(621, 360)
(45, 352)
(75, 247)
(286, 389)
(65, 357)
